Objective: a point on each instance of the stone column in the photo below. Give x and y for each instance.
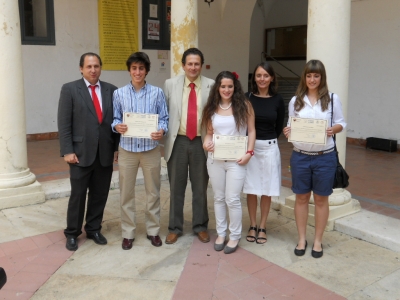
(328, 39)
(184, 32)
(18, 186)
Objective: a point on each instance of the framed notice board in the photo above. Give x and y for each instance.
(156, 24)
(286, 43)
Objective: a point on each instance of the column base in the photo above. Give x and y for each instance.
(21, 196)
(335, 212)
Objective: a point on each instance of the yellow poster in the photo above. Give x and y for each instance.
(118, 32)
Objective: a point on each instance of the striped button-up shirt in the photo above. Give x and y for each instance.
(149, 100)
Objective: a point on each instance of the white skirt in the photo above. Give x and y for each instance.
(263, 175)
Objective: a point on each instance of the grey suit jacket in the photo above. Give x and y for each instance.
(78, 127)
(173, 90)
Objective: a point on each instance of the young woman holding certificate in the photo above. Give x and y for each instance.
(263, 176)
(228, 113)
(313, 166)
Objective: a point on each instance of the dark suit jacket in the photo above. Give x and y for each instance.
(78, 127)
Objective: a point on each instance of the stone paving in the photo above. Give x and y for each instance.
(32, 245)
(32, 250)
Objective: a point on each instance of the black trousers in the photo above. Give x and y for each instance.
(97, 180)
(187, 156)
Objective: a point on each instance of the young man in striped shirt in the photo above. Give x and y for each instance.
(142, 98)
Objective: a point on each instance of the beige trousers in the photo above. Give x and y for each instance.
(150, 162)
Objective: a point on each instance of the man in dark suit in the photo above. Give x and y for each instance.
(88, 145)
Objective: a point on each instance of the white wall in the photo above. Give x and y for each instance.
(374, 89)
(47, 68)
(224, 36)
(229, 36)
(257, 34)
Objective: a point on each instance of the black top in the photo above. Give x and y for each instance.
(269, 115)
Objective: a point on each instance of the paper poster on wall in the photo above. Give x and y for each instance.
(156, 24)
(153, 11)
(163, 67)
(153, 30)
(162, 54)
(118, 32)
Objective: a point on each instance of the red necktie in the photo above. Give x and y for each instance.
(191, 125)
(96, 103)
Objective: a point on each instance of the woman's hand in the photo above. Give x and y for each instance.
(329, 131)
(286, 131)
(208, 146)
(244, 159)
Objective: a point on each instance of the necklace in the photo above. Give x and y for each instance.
(225, 108)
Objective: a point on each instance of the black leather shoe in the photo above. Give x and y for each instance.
(317, 254)
(300, 252)
(98, 238)
(72, 244)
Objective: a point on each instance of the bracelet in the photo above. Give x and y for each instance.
(251, 152)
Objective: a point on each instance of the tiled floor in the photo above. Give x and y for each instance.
(214, 275)
(207, 274)
(30, 262)
(374, 175)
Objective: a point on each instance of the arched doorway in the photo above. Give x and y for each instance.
(290, 17)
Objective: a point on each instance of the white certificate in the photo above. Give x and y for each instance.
(228, 147)
(140, 125)
(309, 131)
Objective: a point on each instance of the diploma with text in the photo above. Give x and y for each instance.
(309, 131)
(140, 125)
(229, 147)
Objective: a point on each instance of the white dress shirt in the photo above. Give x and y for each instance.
(315, 112)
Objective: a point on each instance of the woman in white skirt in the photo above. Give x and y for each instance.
(263, 176)
(228, 112)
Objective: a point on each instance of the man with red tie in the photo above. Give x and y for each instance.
(88, 145)
(186, 96)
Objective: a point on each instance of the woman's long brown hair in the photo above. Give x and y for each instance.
(313, 66)
(240, 104)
